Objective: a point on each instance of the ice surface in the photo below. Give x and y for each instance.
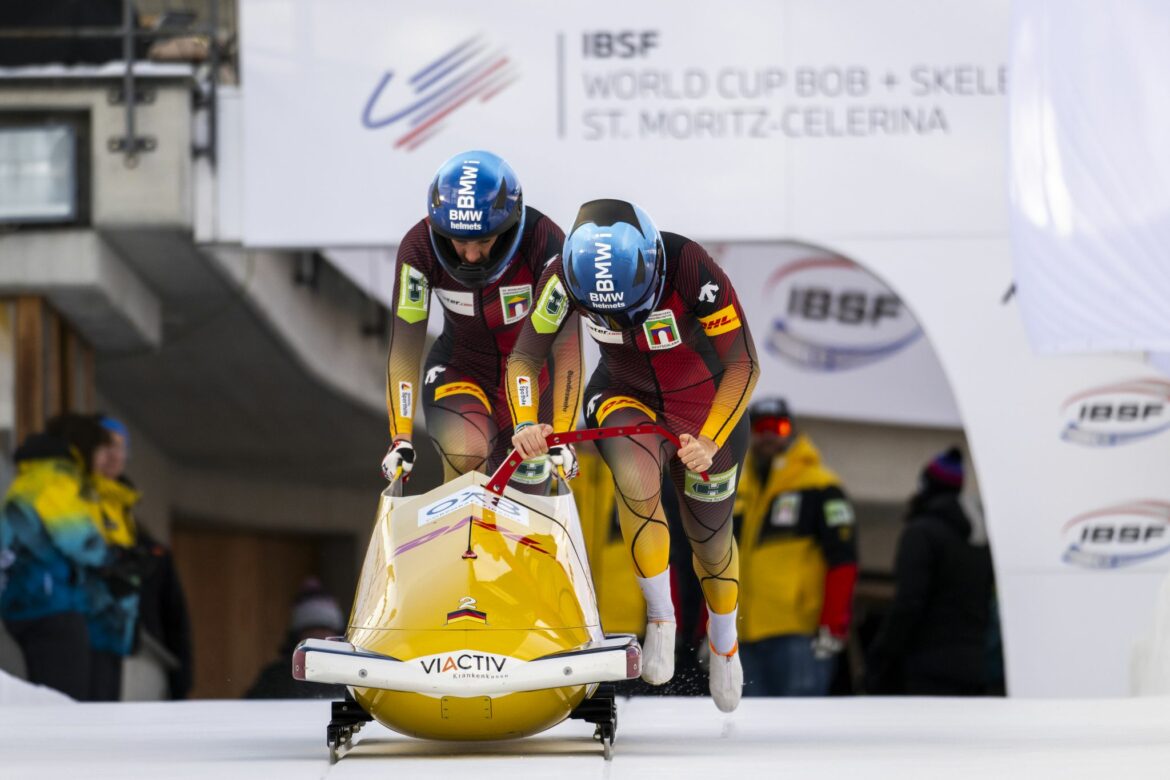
(940, 739)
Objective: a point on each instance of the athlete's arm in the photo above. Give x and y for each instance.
(717, 308)
(547, 320)
(568, 367)
(408, 332)
(566, 363)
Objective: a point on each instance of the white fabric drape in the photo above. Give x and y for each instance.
(1090, 173)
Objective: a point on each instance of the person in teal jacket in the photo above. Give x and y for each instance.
(50, 549)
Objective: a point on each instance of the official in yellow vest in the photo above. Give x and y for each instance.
(798, 552)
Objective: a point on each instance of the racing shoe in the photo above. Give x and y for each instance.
(726, 678)
(658, 651)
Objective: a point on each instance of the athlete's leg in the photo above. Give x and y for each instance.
(706, 508)
(706, 516)
(637, 463)
(459, 420)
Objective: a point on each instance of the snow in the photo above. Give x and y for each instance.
(17, 692)
(657, 737)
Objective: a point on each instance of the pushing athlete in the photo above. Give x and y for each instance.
(675, 350)
(480, 250)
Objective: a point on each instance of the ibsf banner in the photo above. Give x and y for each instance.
(733, 122)
(829, 333)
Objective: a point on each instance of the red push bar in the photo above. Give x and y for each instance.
(504, 473)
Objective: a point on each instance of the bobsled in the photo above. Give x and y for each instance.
(475, 616)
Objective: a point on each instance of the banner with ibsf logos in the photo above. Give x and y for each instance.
(1070, 452)
(833, 339)
(756, 120)
(866, 135)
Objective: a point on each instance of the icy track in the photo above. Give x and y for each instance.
(940, 739)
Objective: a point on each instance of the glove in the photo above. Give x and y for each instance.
(400, 456)
(565, 456)
(126, 570)
(825, 645)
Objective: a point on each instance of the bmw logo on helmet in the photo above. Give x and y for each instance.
(475, 195)
(615, 263)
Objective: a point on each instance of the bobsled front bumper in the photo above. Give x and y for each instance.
(467, 672)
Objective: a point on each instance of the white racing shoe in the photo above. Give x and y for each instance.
(658, 651)
(725, 675)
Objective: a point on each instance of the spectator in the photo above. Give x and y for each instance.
(315, 615)
(159, 657)
(798, 550)
(934, 641)
(111, 591)
(50, 547)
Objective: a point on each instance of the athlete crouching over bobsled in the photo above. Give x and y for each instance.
(475, 616)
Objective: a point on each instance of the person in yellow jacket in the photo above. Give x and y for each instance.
(152, 621)
(798, 559)
(50, 554)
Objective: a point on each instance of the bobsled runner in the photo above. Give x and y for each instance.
(475, 617)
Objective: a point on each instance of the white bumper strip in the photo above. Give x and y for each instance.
(466, 672)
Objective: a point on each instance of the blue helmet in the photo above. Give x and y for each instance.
(475, 195)
(615, 263)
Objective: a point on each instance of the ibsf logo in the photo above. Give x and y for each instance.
(1117, 414)
(1118, 536)
(835, 315)
(473, 69)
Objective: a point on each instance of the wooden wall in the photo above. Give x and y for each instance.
(240, 587)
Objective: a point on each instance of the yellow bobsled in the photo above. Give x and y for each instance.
(475, 617)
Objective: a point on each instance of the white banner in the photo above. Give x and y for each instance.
(741, 122)
(1090, 119)
(867, 133)
(834, 340)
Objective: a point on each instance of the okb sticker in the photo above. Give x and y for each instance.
(716, 488)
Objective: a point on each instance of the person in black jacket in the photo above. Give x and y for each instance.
(315, 615)
(933, 641)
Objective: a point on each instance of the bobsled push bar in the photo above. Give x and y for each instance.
(504, 473)
(617, 657)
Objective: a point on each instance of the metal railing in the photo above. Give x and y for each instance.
(132, 144)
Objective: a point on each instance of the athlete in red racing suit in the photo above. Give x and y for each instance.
(683, 358)
(484, 281)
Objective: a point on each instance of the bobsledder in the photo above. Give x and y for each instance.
(475, 617)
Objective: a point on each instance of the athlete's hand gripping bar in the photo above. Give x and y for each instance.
(504, 473)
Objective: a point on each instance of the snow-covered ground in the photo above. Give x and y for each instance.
(940, 739)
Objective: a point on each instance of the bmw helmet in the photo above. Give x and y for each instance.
(475, 195)
(615, 263)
